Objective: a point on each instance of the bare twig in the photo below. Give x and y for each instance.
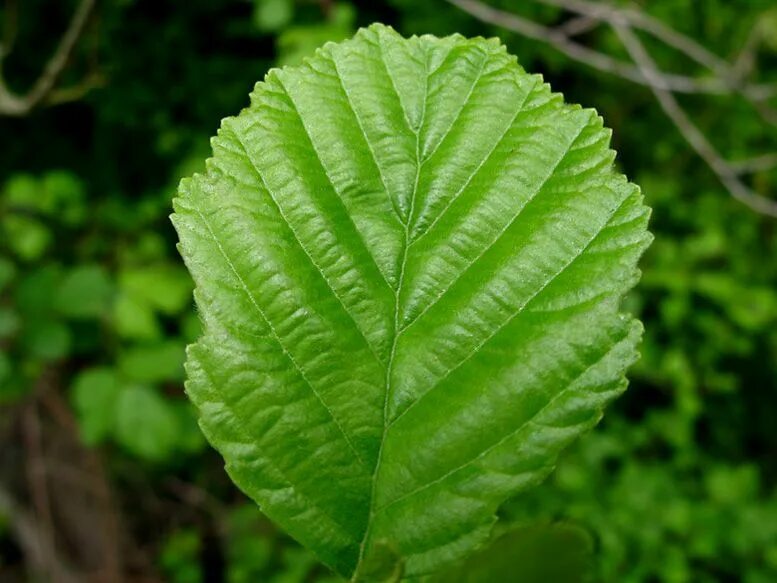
(18, 105)
(75, 92)
(761, 163)
(726, 79)
(581, 53)
(561, 41)
(729, 75)
(93, 478)
(36, 545)
(745, 61)
(195, 496)
(36, 479)
(579, 25)
(642, 21)
(698, 141)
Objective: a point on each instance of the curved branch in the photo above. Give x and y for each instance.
(727, 174)
(642, 69)
(19, 105)
(561, 40)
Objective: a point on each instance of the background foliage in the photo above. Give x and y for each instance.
(101, 457)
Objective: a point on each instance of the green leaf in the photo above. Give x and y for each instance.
(84, 293)
(409, 257)
(295, 43)
(95, 395)
(156, 362)
(273, 15)
(46, 339)
(63, 194)
(24, 190)
(5, 367)
(249, 549)
(533, 554)
(134, 318)
(33, 292)
(145, 423)
(9, 322)
(180, 557)
(189, 438)
(7, 272)
(165, 288)
(26, 236)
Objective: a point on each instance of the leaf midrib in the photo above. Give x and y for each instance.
(398, 295)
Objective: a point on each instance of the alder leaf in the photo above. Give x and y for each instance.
(409, 257)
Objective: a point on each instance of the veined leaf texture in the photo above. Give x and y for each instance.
(409, 258)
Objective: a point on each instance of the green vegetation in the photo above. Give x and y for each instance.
(678, 483)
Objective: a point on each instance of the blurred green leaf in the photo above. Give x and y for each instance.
(767, 24)
(95, 395)
(9, 322)
(5, 367)
(46, 339)
(272, 15)
(297, 42)
(63, 193)
(732, 485)
(26, 236)
(135, 319)
(190, 438)
(145, 424)
(533, 554)
(180, 557)
(166, 288)
(249, 558)
(33, 294)
(250, 553)
(57, 194)
(7, 272)
(297, 566)
(85, 292)
(191, 328)
(24, 191)
(154, 362)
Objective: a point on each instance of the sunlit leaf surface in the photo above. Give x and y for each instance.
(409, 257)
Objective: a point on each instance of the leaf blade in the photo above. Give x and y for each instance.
(409, 256)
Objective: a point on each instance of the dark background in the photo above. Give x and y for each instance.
(104, 475)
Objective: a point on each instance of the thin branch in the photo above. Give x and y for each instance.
(19, 105)
(195, 496)
(762, 163)
(36, 480)
(726, 174)
(37, 547)
(94, 480)
(562, 42)
(745, 61)
(726, 73)
(579, 25)
(76, 92)
(642, 21)
(578, 52)
(59, 59)
(643, 70)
